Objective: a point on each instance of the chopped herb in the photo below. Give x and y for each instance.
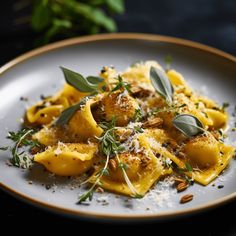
(168, 61)
(225, 105)
(138, 129)
(138, 115)
(166, 109)
(121, 85)
(4, 148)
(188, 167)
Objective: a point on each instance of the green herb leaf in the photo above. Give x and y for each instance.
(168, 62)
(225, 105)
(69, 112)
(188, 167)
(79, 82)
(162, 84)
(4, 148)
(121, 85)
(138, 129)
(138, 115)
(123, 166)
(109, 145)
(94, 79)
(20, 159)
(41, 16)
(85, 196)
(116, 6)
(189, 125)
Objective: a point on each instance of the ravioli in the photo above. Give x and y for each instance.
(67, 159)
(119, 127)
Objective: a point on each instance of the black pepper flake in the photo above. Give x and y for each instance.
(103, 70)
(43, 97)
(165, 145)
(213, 185)
(24, 99)
(220, 186)
(48, 186)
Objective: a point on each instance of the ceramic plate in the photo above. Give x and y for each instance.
(206, 69)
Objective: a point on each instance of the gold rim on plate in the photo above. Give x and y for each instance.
(104, 37)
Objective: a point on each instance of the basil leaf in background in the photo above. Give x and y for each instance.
(188, 125)
(162, 84)
(68, 113)
(116, 6)
(78, 81)
(41, 16)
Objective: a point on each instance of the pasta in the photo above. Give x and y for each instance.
(130, 129)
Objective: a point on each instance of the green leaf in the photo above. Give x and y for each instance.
(41, 16)
(4, 148)
(78, 81)
(85, 196)
(68, 113)
(116, 6)
(189, 125)
(188, 167)
(168, 61)
(94, 79)
(162, 84)
(99, 17)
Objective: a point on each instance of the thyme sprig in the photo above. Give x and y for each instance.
(89, 194)
(22, 138)
(165, 109)
(110, 147)
(133, 190)
(121, 84)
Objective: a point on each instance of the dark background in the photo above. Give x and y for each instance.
(212, 22)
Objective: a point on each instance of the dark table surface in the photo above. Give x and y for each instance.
(212, 22)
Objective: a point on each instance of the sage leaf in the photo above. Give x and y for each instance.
(162, 84)
(94, 79)
(189, 125)
(68, 113)
(79, 82)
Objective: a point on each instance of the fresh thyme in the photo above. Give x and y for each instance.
(109, 145)
(121, 84)
(89, 194)
(138, 115)
(22, 138)
(187, 168)
(133, 190)
(166, 109)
